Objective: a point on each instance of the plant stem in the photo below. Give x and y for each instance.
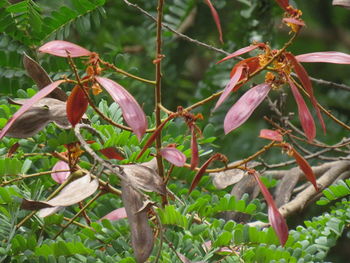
(22, 177)
(157, 93)
(118, 70)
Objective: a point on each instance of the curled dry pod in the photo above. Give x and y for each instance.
(141, 233)
(30, 123)
(145, 178)
(41, 78)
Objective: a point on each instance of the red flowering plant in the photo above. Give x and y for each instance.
(281, 69)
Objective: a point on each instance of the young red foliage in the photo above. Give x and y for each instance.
(305, 117)
(276, 220)
(305, 167)
(305, 80)
(202, 170)
(241, 51)
(112, 153)
(216, 17)
(194, 148)
(271, 135)
(115, 215)
(283, 4)
(60, 177)
(173, 156)
(245, 106)
(326, 57)
(153, 137)
(29, 103)
(62, 48)
(76, 106)
(132, 112)
(230, 86)
(250, 65)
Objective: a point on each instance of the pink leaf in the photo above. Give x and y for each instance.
(29, 103)
(115, 215)
(216, 17)
(194, 149)
(291, 20)
(62, 48)
(241, 52)
(326, 57)
(271, 135)
(305, 167)
(230, 86)
(245, 106)
(174, 156)
(305, 80)
(60, 177)
(305, 117)
(132, 112)
(277, 221)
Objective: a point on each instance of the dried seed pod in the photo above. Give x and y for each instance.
(30, 123)
(41, 78)
(141, 233)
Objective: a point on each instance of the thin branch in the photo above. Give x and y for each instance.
(118, 70)
(158, 90)
(22, 177)
(218, 50)
(79, 213)
(183, 36)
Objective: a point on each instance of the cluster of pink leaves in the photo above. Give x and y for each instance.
(245, 105)
(132, 112)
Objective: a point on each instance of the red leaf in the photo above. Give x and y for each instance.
(112, 153)
(60, 177)
(201, 172)
(153, 137)
(174, 156)
(241, 52)
(230, 86)
(132, 112)
(76, 106)
(115, 215)
(283, 4)
(42, 93)
(62, 48)
(271, 135)
(305, 167)
(305, 117)
(277, 221)
(245, 106)
(194, 149)
(252, 64)
(305, 80)
(12, 149)
(326, 57)
(216, 17)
